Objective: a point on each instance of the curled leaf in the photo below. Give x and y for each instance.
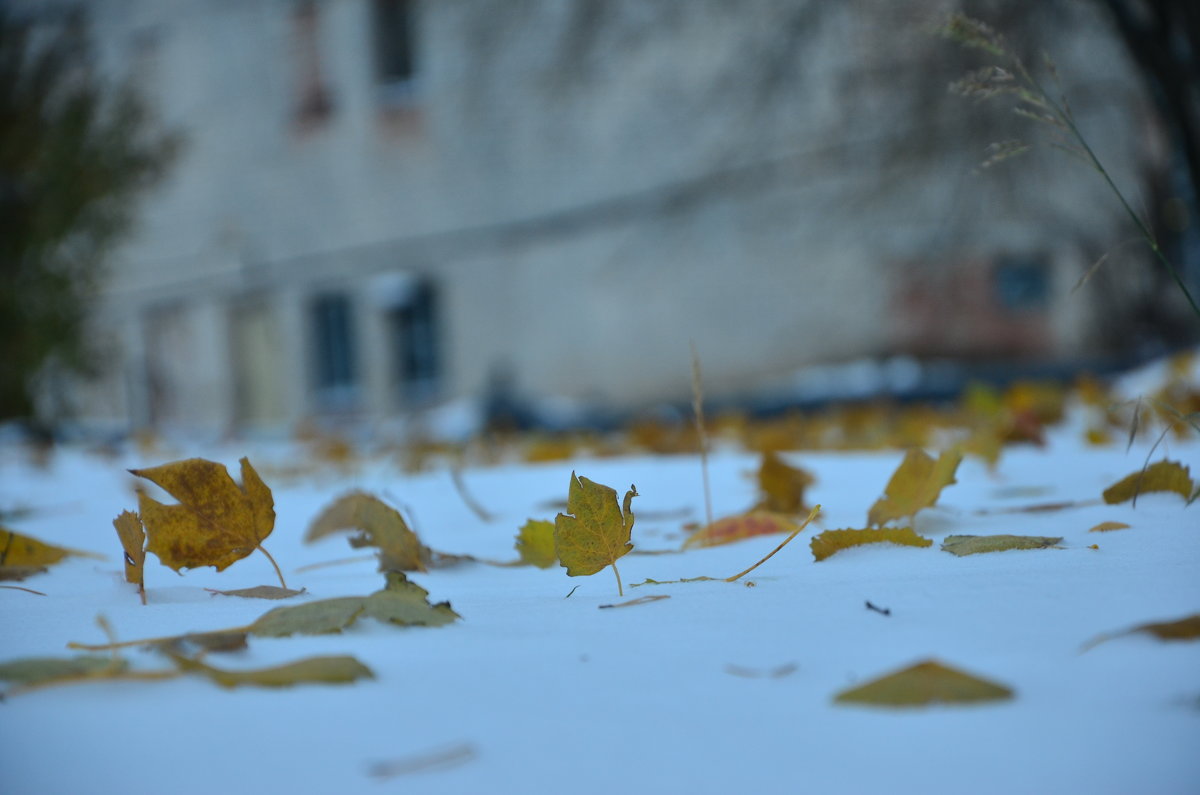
(380, 525)
(1169, 476)
(917, 483)
(739, 528)
(216, 522)
(832, 541)
(973, 545)
(928, 682)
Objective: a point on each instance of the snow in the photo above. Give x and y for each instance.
(535, 692)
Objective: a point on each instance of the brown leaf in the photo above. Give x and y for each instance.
(133, 541)
(739, 528)
(782, 486)
(1168, 476)
(928, 682)
(215, 523)
(832, 541)
(380, 525)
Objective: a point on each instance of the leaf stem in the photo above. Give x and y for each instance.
(278, 573)
(812, 515)
(620, 591)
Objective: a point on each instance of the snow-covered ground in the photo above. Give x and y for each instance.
(720, 688)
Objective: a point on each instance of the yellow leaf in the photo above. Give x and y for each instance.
(1162, 476)
(782, 486)
(1104, 527)
(23, 550)
(535, 544)
(739, 528)
(915, 484)
(216, 522)
(928, 682)
(1187, 628)
(133, 541)
(974, 545)
(832, 541)
(380, 525)
(596, 530)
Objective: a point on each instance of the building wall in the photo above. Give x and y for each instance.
(587, 187)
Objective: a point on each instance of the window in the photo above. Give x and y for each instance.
(414, 332)
(315, 104)
(394, 22)
(334, 353)
(1021, 283)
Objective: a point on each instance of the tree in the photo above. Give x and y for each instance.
(75, 151)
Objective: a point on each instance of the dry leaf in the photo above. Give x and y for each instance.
(312, 618)
(973, 545)
(535, 543)
(19, 573)
(1104, 527)
(46, 670)
(1187, 628)
(832, 541)
(641, 600)
(782, 486)
(380, 525)
(928, 682)
(917, 483)
(324, 670)
(259, 592)
(596, 531)
(22, 550)
(739, 528)
(133, 541)
(1162, 476)
(407, 604)
(216, 522)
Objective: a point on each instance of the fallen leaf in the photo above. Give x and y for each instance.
(216, 522)
(221, 641)
(782, 486)
(405, 603)
(1162, 476)
(535, 543)
(739, 528)
(46, 670)
(1104, 527)
(22, 550)
(437, 760)
(259, 592)
(339, 669)
(973, 545)
(928, 682)
(596, 530)
(1187, 628)
(832, 541)
(19, 573)
(380, 525)
(917, 483)
(321, 617)
(133, 541)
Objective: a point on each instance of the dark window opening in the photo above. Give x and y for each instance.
(395, 51)
(1021, 283)
(333, 348)
(414, 331)
(315, 103)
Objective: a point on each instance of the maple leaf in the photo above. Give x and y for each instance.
(595, 531)
(535, 543)
(832, 541)
(974, 545)
(782, 486)
(133, 541)
(380, 525)
(928, 682)
(1162, 476)
(216, 522)
(915, 484)
(739, 528)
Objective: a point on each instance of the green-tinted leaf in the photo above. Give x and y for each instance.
(535, 543)
(595, 533)
(831, 541)
(973, 545)
(407, 604)
(313, 618)
(44, 670)
(324, 670)
(259, 592)
(928, 682)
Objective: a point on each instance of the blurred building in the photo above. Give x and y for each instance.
(383, 203)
